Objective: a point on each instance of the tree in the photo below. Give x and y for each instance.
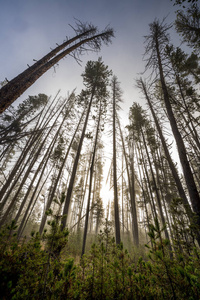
(28, 166)
(179, 2)
(182, 194)
(95, 79)
(85, 35)
(15, 123)
(144, 133)
(155, 45)
(61, 169)
(91, 178)
(38, 131)
(116, 97)
(184, 65)
(188, 26)
(131, 187)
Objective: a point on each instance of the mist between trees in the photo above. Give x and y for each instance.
(53, 161)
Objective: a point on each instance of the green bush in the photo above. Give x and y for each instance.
(30, 270)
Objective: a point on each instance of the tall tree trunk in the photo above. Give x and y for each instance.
(30, 145)
(116, 205)
(93, 198)
(20, 85)
(122, 193)
(147, 182)
(189, 118)
(90, 182)
(29, 210)
(43, 163)
(49, 202)
(32, 162)
(131, 192)
(133, 198)
(162, 174)
(143, 193)
(192, 189)
(75, 166)
(13, 85)
(167, 154)
(84, 188)
(156, 189)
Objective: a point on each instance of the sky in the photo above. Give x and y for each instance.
(29, 28)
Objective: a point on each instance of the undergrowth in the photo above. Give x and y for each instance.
(40, 268)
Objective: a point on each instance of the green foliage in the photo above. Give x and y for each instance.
(188, 26)
(96, 77)
(29, 269)
(184, 232)
(14, 123)
(184, 65)
(180, 2)
(21, 264)
(56, 239)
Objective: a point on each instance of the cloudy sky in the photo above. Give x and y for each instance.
(28, 28)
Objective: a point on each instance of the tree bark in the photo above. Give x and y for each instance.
(75, 166)
(42, 165)
(38, 150)
(90, 182)
(13, 85)
(8, 94)
(49, 202)
(116, 205)
(192, 189)
(167, 154)
(131, 192)
(156, 190)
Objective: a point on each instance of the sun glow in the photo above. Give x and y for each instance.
(106, 194)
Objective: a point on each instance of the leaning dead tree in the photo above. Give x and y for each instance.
(86, 37)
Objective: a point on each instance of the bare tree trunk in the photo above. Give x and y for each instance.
(75, 166)
(28, 210)
(193, 131)
(168, 156)
(192, 189)
(92, 204)
(116, 205)
(49, 202)
(32, 162)
(84, 193)
(90, 182)
(43, 163)
(170, 162)
(13, 85)
(156, 188)
(147, 183)
(131, 192)
(143, 193)
(133, 199)
(122, 193)
(16, 88)
(26, 151)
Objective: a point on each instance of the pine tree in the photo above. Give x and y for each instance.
(95, 79)
(86, 34)
(155, 45)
